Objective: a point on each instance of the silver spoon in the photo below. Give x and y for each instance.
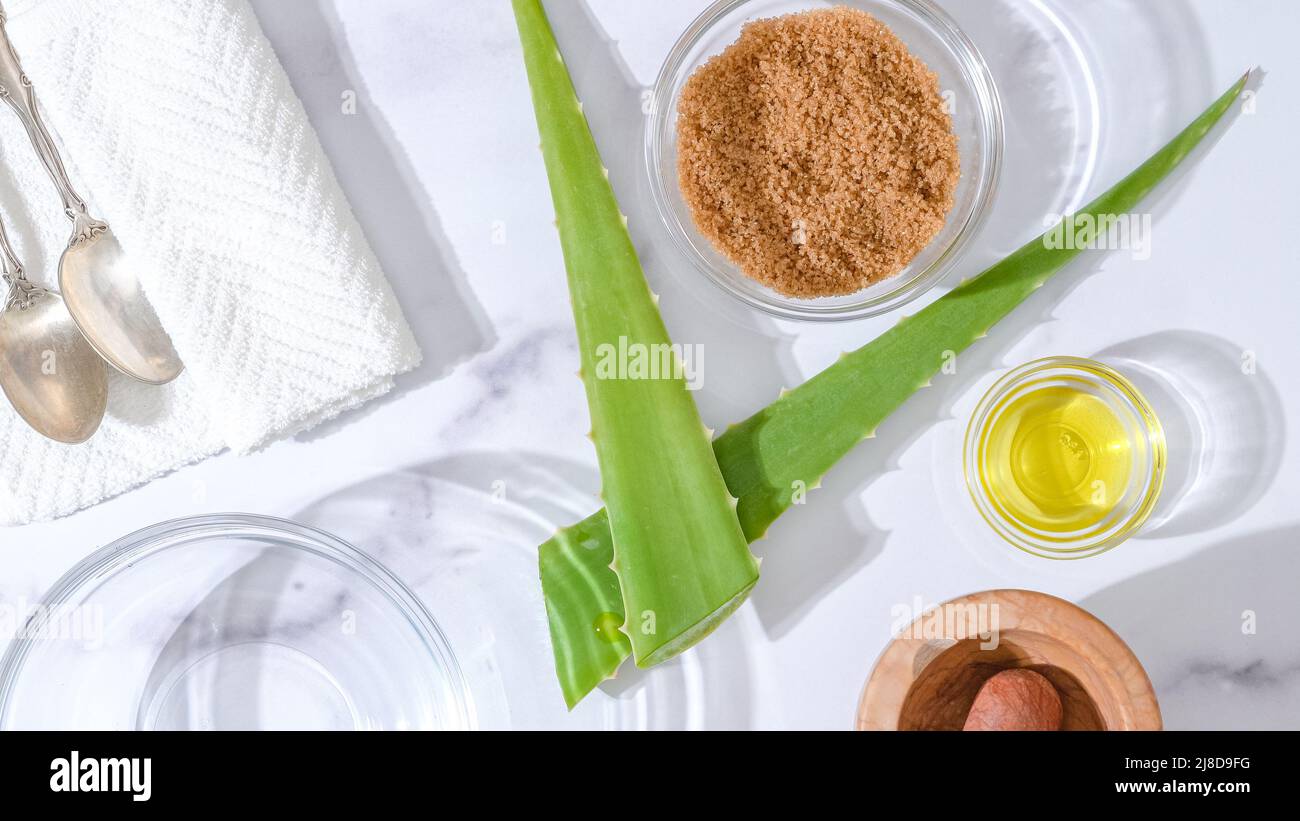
(101, 289)
(51, 375)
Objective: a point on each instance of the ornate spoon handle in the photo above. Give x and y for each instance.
(20, 291)
(17, 91)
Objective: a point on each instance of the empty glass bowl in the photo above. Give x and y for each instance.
(973, 101)
(231, 622)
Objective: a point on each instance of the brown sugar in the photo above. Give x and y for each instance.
(816, 152)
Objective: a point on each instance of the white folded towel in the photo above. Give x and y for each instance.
(180, 128)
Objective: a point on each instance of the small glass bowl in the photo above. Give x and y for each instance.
(1146, 447)
(977, 120)
(231, 622)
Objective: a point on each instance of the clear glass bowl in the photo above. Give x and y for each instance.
(1146, 451)
(231, 622)
(977, 120)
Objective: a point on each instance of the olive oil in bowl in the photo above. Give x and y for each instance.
(1064, 457)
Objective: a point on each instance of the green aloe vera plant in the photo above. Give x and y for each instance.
(673, 535)
(790, 444)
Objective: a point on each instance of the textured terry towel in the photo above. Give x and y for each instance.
(180, 129)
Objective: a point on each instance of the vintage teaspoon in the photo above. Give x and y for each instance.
(51, 375)
(100, 288)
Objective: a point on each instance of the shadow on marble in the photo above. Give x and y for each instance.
(395, 212)
(1075, 118)
(1216, 632)
(1223, 421)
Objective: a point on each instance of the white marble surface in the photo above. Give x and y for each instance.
(441, 164)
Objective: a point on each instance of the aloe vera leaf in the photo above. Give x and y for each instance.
(795, 440)
(682, 560)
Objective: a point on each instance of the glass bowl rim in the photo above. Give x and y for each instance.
(989, 105)
(1119, 387)
(114, 557)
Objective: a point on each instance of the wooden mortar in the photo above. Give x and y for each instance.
(927, 680)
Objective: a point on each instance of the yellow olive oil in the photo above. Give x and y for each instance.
(1056, 459)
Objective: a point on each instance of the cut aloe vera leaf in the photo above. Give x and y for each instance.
(791, 443)
(682, 560)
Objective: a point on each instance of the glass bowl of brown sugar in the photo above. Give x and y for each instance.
(823, 161)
